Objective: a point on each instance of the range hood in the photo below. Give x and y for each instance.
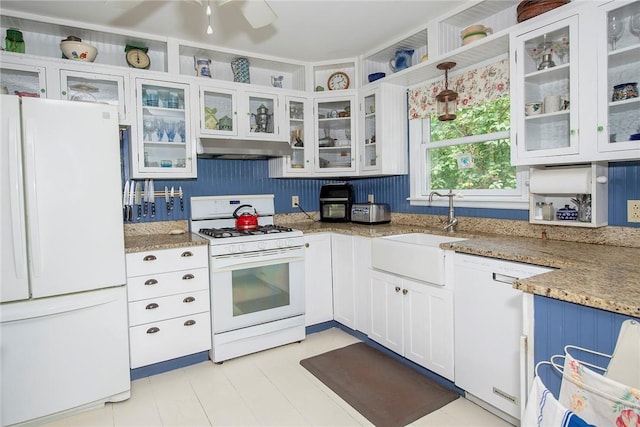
(242, 148)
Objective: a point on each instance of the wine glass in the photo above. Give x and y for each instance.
(634, 23)
(561, 48)
(615, 29)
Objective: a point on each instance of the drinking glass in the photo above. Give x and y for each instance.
(615, 29)
(180, 130)
(170, 129)
(148, 127)
(159, 129)
(634, 23)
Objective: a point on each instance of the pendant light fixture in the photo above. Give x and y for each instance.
(447, 99)
(208, 11)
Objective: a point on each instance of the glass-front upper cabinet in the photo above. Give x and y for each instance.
(163, 146)
(334, 131)
(619, 61)
(218, 112)
(545, 97)
(259, 115)
(93, 87)
(301, 156)
(368, 135)
(22, 80)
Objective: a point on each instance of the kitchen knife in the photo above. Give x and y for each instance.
(125, 200)
(172, 196)
(131, 197)
(138, 200)
(152, 199)
(181, 199)
(166, 199)
(145, 200)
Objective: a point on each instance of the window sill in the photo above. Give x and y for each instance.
(472, 202)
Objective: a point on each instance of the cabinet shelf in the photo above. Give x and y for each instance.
(549, 117)
(550, 75)
(624, 105)
(624, 56)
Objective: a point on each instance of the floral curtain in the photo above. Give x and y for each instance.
(473, 87)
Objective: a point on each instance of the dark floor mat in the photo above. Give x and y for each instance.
(382, 389)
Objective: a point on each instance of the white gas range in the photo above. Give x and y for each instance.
(256, 276)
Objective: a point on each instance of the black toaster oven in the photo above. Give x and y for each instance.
(335, 202)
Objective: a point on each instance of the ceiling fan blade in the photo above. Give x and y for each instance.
(123, 4)
(258, 13)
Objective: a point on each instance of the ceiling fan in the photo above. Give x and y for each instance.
(257, 12)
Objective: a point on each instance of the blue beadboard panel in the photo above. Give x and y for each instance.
(219, 177)
(559, 323)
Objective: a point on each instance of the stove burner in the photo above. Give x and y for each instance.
(219, 233)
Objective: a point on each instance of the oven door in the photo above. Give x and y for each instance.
(257, 287)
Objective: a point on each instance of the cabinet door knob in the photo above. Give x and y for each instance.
(600, 128)
(186, 254)
(151, 282)
(405, 291)
(190, 322)
(188, 276)
(306, 245)
(152, 306)
(153, 330)
(149, 258)
(397, 288)
(189, 299)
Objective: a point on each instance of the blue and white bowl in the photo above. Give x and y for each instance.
(567, 214)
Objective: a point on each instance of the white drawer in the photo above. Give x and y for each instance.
(156, 309)
(160, 285)
(159, 341)
(164, 260)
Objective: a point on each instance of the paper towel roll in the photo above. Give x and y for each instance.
(560, 181)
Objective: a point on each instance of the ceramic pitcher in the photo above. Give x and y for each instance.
(276, 81)
(202, 66)
(240, 68)
(401, 60)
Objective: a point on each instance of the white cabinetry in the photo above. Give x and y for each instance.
(382, 134)
(162, 143)
(18, 75)
(617, 119)
(414, 319)
(335, 151)
(168, 293)
(96, 87)
(299, 128)
(318, 281)
(361, 279)
(590, 125)
(344, 290)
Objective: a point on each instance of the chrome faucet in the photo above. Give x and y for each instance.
(452, 221)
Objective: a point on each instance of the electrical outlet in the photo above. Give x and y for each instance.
(370, 198)
(633, 210)
(294, 201)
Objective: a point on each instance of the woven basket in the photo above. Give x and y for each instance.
(527, 9)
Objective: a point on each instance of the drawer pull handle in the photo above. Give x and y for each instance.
(151, 306)
(151, 282)
(153, 330)
(189, 299)
(189, 323)
(186, 254)
(188, 276)
(149, 258)
(502, 278)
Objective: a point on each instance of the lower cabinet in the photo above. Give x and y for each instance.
(318, 281)
(344, 295)
(413, 319)
(168, 294)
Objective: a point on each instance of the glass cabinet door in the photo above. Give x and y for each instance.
(619, 58)
(218, 112)
(91, 87)
(23, 80)
(262, 116)
(297, 137)
(368, 137)
(547, 95)
(333, 134)
(164, 130)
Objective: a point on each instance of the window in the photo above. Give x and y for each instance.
(471, 154)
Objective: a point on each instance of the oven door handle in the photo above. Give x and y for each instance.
(242, 265)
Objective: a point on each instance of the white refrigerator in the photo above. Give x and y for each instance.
(63, 306)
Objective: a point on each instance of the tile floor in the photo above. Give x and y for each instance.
(269, 388)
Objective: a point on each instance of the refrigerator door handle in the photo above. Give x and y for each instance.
(32, 196)
(17, 207)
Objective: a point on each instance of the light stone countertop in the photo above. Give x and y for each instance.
(595, 275)
(595, 268)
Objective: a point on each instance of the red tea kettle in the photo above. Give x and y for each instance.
(246, 221)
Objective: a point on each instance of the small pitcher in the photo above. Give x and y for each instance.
(401, 60)
(240, 68)
(202, 66)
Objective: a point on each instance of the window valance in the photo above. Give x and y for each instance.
(473, 87)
